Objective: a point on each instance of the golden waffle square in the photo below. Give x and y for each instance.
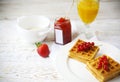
(101, 74)
(83, 56)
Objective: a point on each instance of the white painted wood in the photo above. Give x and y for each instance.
(19, 61)
(11, 9)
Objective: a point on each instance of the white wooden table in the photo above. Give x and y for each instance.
(19, 61)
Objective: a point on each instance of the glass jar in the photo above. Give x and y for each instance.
(62, 31)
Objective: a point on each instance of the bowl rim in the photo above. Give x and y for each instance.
(21, 18)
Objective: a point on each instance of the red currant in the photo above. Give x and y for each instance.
(80, 48)
(92, 43)
(85, 46)
(101, 60)
(88, 43)
(105, 62)
(99, 65)
(104, 58)
(105, 67)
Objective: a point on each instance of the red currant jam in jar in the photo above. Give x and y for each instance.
(62, 31)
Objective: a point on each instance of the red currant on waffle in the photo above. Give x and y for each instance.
(85, 46)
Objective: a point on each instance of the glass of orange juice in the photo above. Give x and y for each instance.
(87, 10)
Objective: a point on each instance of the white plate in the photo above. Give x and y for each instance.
(74, 71)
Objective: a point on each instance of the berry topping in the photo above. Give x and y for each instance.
(85, 46)
(99, 65)
(104, 58)
(105, 67)
(103, 63)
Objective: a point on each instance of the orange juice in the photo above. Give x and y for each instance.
(87, 10)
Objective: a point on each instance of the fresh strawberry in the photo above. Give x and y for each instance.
(42, 49)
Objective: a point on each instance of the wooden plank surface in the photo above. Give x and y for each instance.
(11, 9)
(19, 61)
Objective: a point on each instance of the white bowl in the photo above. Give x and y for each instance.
(33, 28)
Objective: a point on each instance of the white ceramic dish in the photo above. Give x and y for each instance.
(33, 28)
(74, 71)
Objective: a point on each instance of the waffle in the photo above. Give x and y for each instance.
(82, 56)
(101, 74)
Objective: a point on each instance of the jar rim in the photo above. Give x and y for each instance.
(66, 18)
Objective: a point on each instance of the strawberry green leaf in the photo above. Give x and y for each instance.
(38, 44)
